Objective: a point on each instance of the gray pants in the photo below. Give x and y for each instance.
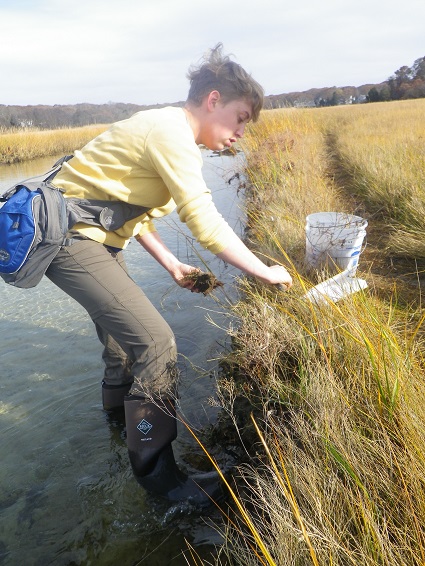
(138, 343)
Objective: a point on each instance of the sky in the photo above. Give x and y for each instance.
(139, 51)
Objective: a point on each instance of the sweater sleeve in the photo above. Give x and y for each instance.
(180, 167)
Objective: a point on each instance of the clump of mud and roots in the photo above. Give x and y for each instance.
(203, 282)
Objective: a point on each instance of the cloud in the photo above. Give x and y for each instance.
(138, 51)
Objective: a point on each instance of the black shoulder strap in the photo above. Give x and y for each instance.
(56, 167)
(33, 183)
(111, 215)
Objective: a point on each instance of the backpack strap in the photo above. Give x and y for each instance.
(33, 183)
(110, 215)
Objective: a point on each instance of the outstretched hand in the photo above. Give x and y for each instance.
(182, 276)
(197, 281)
(278, 276)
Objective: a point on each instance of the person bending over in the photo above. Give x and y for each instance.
(153, 160)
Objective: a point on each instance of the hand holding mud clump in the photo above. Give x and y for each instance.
(203, 282)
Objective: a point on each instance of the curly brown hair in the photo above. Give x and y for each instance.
(218, 72)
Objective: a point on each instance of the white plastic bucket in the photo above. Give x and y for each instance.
(336, 238)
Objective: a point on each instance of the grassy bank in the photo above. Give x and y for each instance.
(336, 391)
(25, 144)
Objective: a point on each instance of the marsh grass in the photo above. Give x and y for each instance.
(287, 178)
(25, 144)
(379, 156)
(338, 393)
(335, 462)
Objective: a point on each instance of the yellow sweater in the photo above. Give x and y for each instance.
(150, 160)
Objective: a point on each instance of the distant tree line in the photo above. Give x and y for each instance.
(328, 96)
(60, 116)
(407, 82)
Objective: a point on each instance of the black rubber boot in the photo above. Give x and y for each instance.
(151, 427)
(113, 396)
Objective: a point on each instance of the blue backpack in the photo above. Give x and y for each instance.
(17, 229)
(35, 219)
(24, 228)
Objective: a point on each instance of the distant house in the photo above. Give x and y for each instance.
(303, 103)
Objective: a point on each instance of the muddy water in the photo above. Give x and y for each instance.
(67, 495)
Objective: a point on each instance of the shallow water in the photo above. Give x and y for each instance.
(67, 495)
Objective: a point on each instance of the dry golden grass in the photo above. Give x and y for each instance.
(22, 145)
(379, 154)
(287, 175)
(337, 390)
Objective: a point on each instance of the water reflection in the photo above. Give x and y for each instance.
(67, 493)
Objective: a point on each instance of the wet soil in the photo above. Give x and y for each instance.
(203, 282)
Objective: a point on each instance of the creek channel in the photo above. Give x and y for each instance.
(67, 494)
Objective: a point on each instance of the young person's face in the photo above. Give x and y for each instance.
(225, 122)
